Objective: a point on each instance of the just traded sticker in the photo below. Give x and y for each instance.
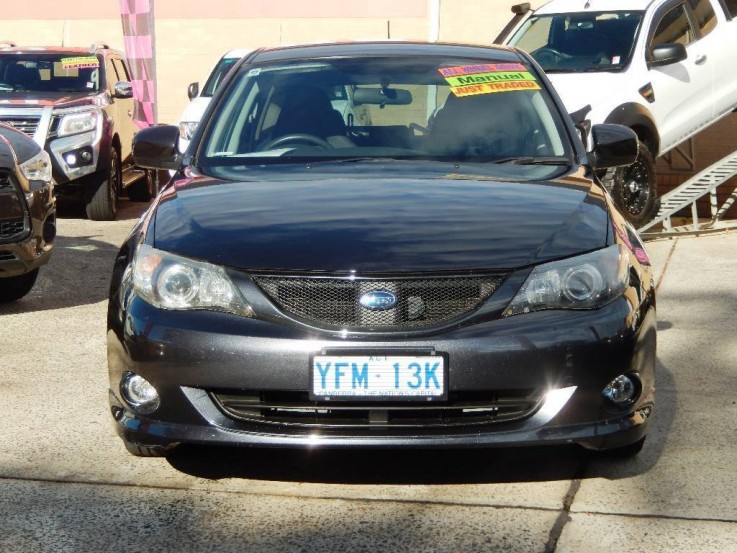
(488, 78)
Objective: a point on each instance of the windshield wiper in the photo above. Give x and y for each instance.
(534, 160)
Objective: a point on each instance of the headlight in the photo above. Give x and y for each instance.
(169, 281)
(79, 122)
(38, 167)
(187, 128)
(582, 282)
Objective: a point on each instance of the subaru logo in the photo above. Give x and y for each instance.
(378, 300)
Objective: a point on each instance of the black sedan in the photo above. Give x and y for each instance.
(385, 245)
(27, 213)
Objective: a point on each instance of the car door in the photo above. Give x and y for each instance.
(719, 39)
(124, 124)
(682, 91)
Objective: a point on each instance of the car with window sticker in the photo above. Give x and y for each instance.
(428, 276)
(77, 104)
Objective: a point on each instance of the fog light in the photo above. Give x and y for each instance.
(622, 391)
(139, 393)
(79, 157)
(49, 229)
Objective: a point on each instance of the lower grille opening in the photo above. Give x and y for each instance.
(461, 409)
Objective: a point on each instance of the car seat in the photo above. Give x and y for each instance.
(307, 110)
(479, 125)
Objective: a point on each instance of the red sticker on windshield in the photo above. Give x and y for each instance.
(480, 68)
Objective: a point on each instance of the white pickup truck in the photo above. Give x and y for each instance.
(665, 68)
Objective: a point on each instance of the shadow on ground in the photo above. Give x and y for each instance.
(376, 466)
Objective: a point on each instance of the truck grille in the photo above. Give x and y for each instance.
(13, 215)
(335, 302)
(24, 123)
(462, 408)
(8, 229)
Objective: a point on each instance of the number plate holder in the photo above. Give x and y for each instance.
(378, 375)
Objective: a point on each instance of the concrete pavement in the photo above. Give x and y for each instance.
(67, 483)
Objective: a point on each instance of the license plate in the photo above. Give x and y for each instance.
(369, 377)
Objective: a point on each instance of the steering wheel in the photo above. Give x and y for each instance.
(297, 137)
(547, 55)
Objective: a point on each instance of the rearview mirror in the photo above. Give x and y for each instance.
(667, 54)
(614, 146)
(156, 148)
(193, 90)
(382, 96)
(122, 90)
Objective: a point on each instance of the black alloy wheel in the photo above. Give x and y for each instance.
(635, 189)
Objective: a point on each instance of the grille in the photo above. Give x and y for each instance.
(9, 229)
(23, 123)
(12, 210)
(461, 409)
(334, 302)
(7, 256)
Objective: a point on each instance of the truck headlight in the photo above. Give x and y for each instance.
(187, 129)
(78, 122)
(38, 167)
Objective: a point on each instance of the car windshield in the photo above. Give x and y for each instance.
(570, 43)
(49, 72)
(371, 108)
(217, 75)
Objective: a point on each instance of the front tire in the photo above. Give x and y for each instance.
(144, 189)
(14, 288)
(634, 188)
(101, 201)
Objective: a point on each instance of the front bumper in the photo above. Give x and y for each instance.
(33, 248)
(43, 124)
(189, 356)
(63, 150)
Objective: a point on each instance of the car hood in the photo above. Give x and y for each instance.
(30, 99)
(575, 88)
(379, 224)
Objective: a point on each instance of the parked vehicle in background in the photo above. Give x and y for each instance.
(448, 275)
(77, 104)
(200, 99)
(664, 68)
(27, 213)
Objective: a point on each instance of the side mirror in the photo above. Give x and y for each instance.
(193, 90)
(667, 54)
(583, 125)
(614, 146)
(122, 90)
(156, 148)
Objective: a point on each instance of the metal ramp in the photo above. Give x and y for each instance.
(687, 194)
